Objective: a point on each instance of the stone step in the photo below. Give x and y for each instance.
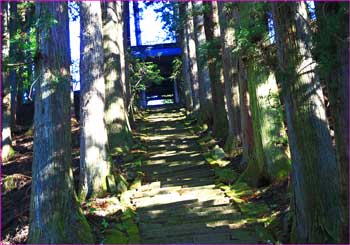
(167, 190)
(192, 173)
(219, 238)
(161, 214)
(174, 166)
(218, 202)
(165, 220)
(150, 186)
(203, 195)
(212, 238)
(212, 227)
(189, 182)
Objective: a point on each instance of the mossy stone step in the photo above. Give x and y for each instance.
(166, 220)
(184, 229)
(219, 238)
(173, 166)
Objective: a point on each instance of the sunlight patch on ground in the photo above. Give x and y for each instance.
(160, 102)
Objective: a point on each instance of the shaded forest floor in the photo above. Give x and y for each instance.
(174, 180)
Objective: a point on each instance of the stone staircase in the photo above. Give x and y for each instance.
(182, 203)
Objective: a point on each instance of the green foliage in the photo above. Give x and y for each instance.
(333, 21)
(143, 74)
(176, 69)
(104, 224)
(252, 32)
(225, 175)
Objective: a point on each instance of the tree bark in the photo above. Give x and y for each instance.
(55, 216)
(246, 116)
(271, 162)
(316, 205)
(13, 59)
(136, 9)
(191, 49)
(185, 61)
(127, 43)
(114, 74)
(212, 33)
(6, 139)
(230, 69)
(94, 166)
(202, 62)
(336, 79)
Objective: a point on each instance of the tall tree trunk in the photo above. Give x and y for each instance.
(136, 9)
(55, 216)
(335, 71)
(271, 162)
(191, 49)
(127, 43)
(6, 145)
(94, 167)
(246, 116)
(13, 59)
(212, 33)
(317, 211)
(19, 95)
(202, 61)
(268, 161)
(185, 61)
(230, 69)
(114, 73)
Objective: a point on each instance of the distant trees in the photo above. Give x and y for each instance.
(18, 49)
(55, 216)
(202, 62)
(231, 77)
(214, 49)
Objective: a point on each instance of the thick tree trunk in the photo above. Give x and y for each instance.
(336, 77)
(55, 216)
(6, 145)
(202, 62)
(114, 73)
(94, 166)
(212, 33)
(246, 116)
(191, 49)
(317, 211)
(230, 68)
(271, 162)
(185, 63)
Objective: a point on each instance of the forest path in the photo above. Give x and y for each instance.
(181, 204)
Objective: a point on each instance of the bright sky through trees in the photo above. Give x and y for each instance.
(151, 33)
(150, 23)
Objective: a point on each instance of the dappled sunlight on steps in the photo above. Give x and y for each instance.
(182, 203)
